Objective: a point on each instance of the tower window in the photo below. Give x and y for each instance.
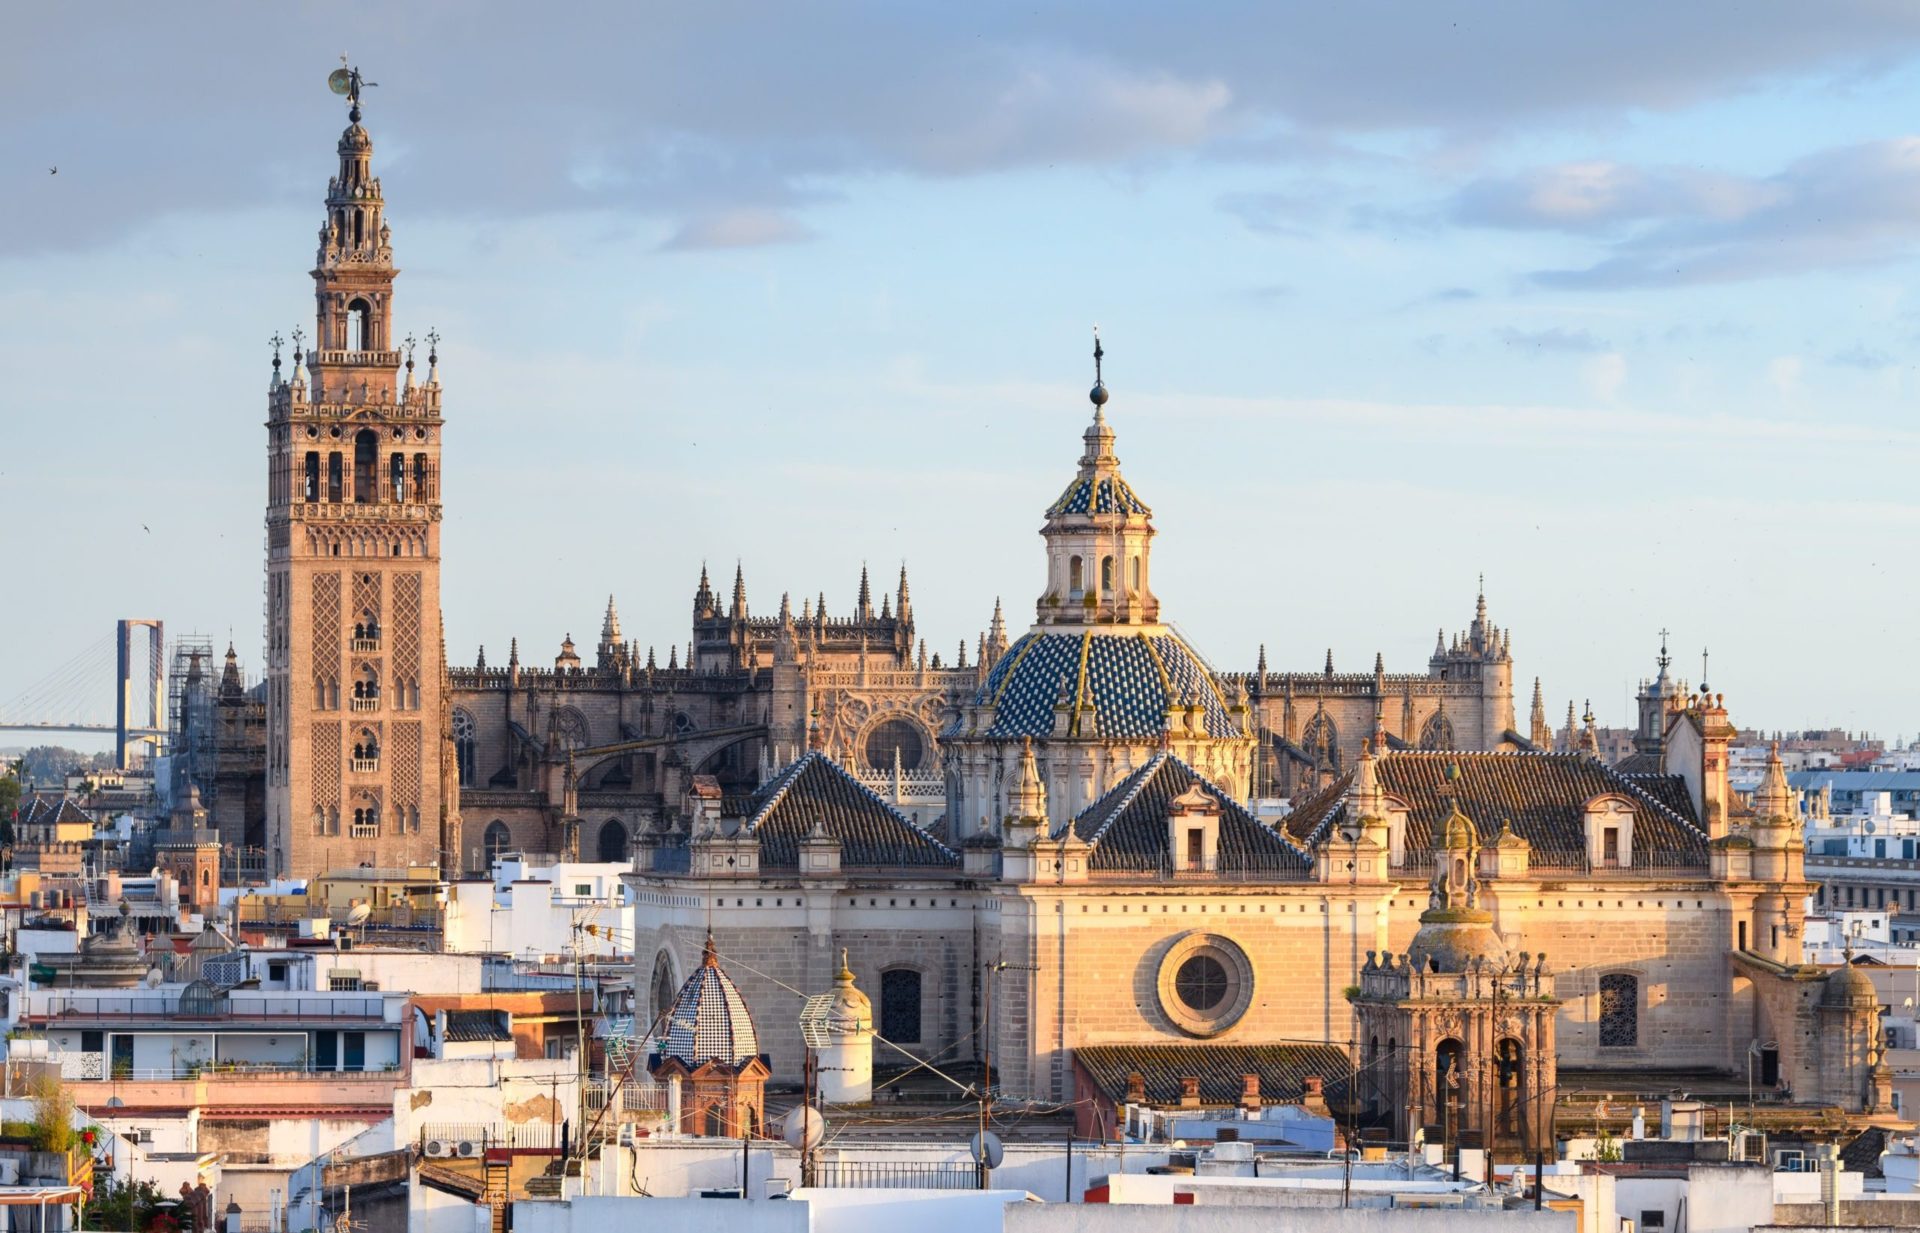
(359, 313)
(1076, 581)
(334, 478)
(365, 465)
(900, 1006)
(397, 477)
(421, 491)
(313, 475)
(1106, 575)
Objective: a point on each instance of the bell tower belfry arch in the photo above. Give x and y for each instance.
(355, 712)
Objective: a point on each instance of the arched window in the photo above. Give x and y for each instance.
(1076, 583)
(1136, 574)
(665, 989)
(1321, 734)
(613, 841)
(900, 1006)
(1450, 1084)
(366, 463)
(464, 733)
(359, 313)
(1619, 1010)
(1437, 732)
(495, 841)
(397, 478)
(1509, 1072)
(313, 475)
(891, 737)
(422, 491)
(1106, 575)
(569, 728)
(334, 480)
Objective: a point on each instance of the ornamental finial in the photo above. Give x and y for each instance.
(1098, 394)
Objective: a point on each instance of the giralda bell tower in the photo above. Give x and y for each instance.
(356, 707)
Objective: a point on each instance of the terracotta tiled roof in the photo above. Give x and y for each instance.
(871, 832)
(1128, 826)
(476, 1025)
(1543, 797)
(1283, 1070)
(1640, 764)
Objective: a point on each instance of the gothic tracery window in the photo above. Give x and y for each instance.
(495, 841)
(1321, 734)
(1619, 1010)
(570, 728)
(464, 733)
(1437, 732)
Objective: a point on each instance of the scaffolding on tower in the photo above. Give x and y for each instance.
(193, 687)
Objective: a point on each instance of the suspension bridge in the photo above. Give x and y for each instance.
(116, 685)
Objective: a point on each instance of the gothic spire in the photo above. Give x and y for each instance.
(739, 609)
(905, 605)
(1538, 732)
(610, 625)
(863, 607)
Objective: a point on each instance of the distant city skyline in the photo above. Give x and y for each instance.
(1618, 313)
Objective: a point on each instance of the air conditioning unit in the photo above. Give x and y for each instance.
(439, 1149)
(467, 1148)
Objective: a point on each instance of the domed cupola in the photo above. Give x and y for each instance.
(1455, 930)
(709, 1021)
(1099, 535)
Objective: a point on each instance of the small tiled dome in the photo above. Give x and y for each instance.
(1130, 679)
(709, 1021)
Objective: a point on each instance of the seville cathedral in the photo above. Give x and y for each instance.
(1076, 839)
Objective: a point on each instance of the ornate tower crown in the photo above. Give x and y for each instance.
(1099, 535)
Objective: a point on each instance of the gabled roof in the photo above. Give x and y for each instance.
(816, 789)
(1128, 826)
(1542, 796)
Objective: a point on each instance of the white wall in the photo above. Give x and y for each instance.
(1103, 1218)
(598, 1215)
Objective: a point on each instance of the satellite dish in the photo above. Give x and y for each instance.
(1869, 828)
(986, 1149)
(804, 1128)
(340, 81)
(360, 914)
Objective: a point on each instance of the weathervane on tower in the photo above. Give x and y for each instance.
(1098, 394)
(347, 80)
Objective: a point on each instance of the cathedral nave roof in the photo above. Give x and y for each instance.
(1128, 826)
(1221, 1070)
(1542, 796)
(871, 832)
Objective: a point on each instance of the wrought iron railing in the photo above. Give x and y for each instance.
(895, 1175)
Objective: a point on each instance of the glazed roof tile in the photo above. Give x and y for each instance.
(1128, 826)
(1543, 796)
(1100, 493)
(1283, 1070)
(871, 832)
(709, 1021)
(1129, 681)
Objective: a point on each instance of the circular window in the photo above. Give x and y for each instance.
(1206, 984)
(893, 736)
(1201, 984)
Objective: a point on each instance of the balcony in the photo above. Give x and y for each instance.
(365, 830)
(364, 766)
(366, 645)
(364, 704)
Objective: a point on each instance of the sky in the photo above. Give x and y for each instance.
(1612, 305)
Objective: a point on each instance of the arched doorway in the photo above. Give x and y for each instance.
(900, 1006)
(1449, 1087)
(613, 842)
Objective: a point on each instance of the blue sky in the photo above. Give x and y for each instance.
(1613, 305)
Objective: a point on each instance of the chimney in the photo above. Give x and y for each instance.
(1314, 1100)
(1189, 1092)
(1250, 1093)
(1136, 1088)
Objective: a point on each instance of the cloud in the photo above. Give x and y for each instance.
(679, 114)
(1861, 356)
(1783, 374)
(1554, 339)
(1605, 374)
(746, 228)
(1842, 207)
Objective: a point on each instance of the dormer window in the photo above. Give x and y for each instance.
(1609, 825)
(1193, 832)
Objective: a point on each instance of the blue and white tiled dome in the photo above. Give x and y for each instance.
(709, 1020)
(1129, 679)
(1099, 494)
